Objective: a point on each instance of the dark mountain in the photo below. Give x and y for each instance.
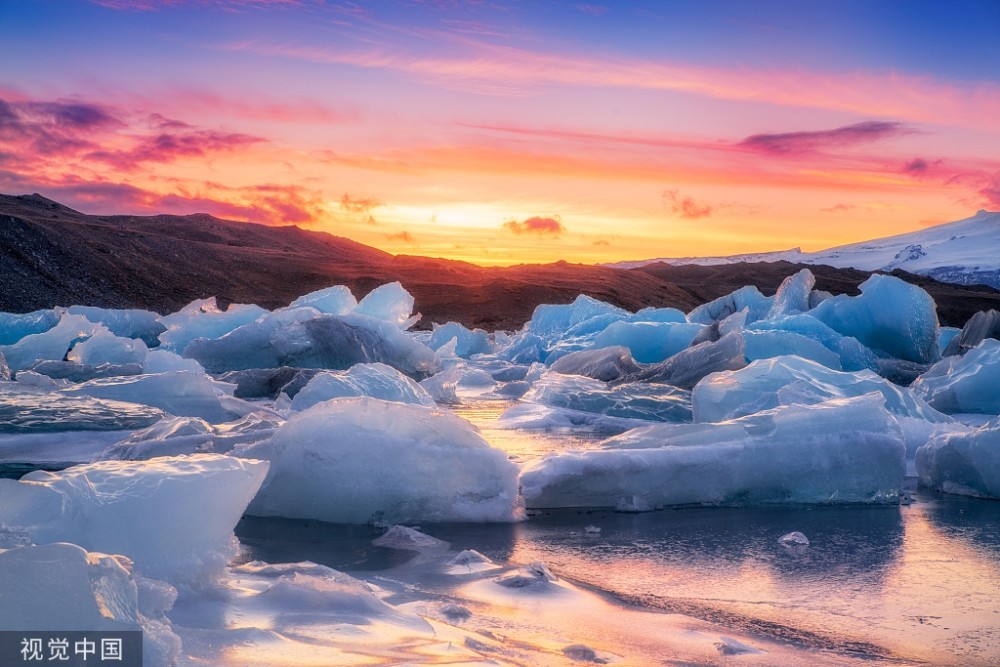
(52, 255)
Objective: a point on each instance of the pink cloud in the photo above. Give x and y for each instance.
(798, 143)
(403, 236)
(685, 207)
(167, 147)
(537, 225)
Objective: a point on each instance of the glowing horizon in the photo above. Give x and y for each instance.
(524, 132)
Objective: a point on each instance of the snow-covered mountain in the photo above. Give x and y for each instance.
(964, 252)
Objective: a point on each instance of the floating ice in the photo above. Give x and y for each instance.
(351, 460)
(467, 343)
(769, 383)
(409, 539)
(15, 326)
(390, 303)
(180, 393)
(28, 410)
(748, 297)
(77, 372)
(964, 463)
(549, 319)
(967, 383)
(647, 401)
(840, 451)
(605, 364)
(730, 646)
(105, 347)
(889, 315)
(144, 325)
(174, 517)
(204, 319)
(686, 368)
(336, 300)
(469, 561)
(649, 342)
(53, 343)
(536, 575)
(793, 295)
(375, 380)
(795, 538)
(174, 436)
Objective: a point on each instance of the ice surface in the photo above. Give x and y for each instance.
(15, 326)
(793, 295)
(794, 538)
(549, 319)
(966, 463)
(172, 516)
(647, 401)
(336, 300)
(967, 383)
(174, 436)
(352, 460)
(686, 368)
(788, 380)
(54, 343)
(467, 343)
(534, 576)
(469, 561)
(767, 344)
(390, 303)
(605, 364)
(375, 380)
(848, 450)
(28, 410)
(534, 416)
(748, 297)
(105, 347)
(204, 319)
(144, 325)
(649, 342)
(77, 372)
(181, 393)
(890, 315)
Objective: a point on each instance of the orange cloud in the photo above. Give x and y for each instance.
(537, 225)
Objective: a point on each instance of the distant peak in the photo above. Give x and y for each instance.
(982, 213)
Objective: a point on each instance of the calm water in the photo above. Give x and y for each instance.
(912, 584)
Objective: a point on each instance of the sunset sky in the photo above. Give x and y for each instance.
(507, 132)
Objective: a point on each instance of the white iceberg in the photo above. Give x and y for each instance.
(390, 303)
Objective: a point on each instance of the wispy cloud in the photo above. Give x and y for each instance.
(799, 143)
(403, 236)
(685, 207)
(362, 206)
(167, 147)
(540, 226)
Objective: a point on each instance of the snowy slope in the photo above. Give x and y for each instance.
(964, 252)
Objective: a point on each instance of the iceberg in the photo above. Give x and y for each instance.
(143, 325)
(389, 303)
(176, 436)
(647, 401)
(768, 344)
(982, 325)
(73, 371)
(336, 300)
(651, 314)
(355, 460)
(649, 342)
(966, 463)
(375, 380)
(686, 368)
(105, 347)
(53, 343)
(269, 382)
(467, 343)
(853, 355)
(748, 297)
(889, 315)
(604, 364)
(15, 326)
(845, 450)
(28, 410)
(203, 319)
(550, 319)
(967, 383)
(174, 516)
(793, 295)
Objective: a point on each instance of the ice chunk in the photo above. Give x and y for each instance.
(649, 342)
(650, 314)
(793, 294)
(352, 460)
(269, 382)
(336, 300)
(536, 575)
(523, 348)
(105, 347)
(174, 516)
(15, 326)
(390, 303)
(204, 319)
(982, 325)
(532, 416)
(469, 561)
(26, 410)
(4, 369)
(375, 380)
(966, 463)
(409, 539)
(180, 393)
(853, 355)
(748, 297)
(730, 646)
(647, 401)
(686, 368)
(51, 344)
(890, 315)
(144, 325)
(467, 343)
(969, 383)
(161, 361)
(77, 372)
(549, 319)
(605, 364)
(767, 344)
(949, 334)
(795, 538)
(847, 450)
(769, 383)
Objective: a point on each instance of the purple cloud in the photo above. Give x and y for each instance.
(797, 143)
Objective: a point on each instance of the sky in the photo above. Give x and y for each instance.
(509, 132)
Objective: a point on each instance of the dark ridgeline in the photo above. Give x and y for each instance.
(52, 255)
